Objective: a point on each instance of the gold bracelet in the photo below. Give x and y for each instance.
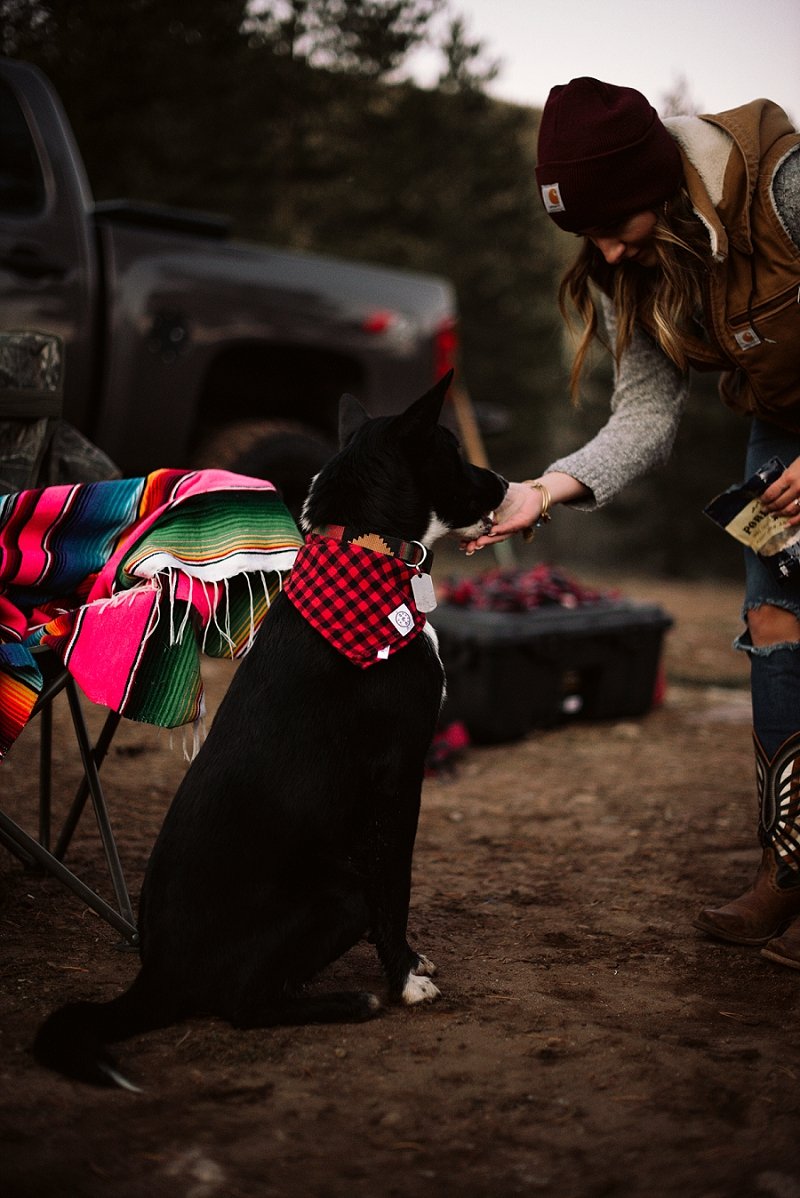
(545, 514)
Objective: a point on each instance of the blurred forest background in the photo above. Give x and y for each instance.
(298, 119)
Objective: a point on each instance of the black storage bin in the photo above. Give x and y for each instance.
(510, 672)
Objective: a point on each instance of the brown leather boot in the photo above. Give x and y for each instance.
(785, 949)
(773, 900)
(759, 914)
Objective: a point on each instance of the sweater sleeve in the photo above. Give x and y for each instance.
(648, 400)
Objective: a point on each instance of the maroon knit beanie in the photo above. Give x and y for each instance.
(603, 155)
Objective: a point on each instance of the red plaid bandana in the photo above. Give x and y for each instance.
(359, 600)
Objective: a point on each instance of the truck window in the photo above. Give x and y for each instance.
(22, 191)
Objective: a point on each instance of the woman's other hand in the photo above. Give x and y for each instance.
(782, 497)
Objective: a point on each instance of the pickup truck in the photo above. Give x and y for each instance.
(183, 347)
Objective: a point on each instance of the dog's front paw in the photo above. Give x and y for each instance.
(424, 967)
(419, 988)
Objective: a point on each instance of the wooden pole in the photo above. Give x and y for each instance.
(472, 441)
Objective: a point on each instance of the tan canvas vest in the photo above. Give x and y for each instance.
(752, 297)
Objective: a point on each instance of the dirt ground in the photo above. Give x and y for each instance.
(588, 1041)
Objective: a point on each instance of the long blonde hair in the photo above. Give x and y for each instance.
(665, 298)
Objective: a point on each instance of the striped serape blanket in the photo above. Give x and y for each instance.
(128, 581)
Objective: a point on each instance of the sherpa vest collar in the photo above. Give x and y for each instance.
(751, 303)
(359, 599)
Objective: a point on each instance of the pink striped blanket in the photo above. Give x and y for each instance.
(129, 581)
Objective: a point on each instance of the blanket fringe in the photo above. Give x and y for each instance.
(192, 735)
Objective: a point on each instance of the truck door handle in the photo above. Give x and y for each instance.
(27, 260)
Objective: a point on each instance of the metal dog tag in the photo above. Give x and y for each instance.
(423, 592)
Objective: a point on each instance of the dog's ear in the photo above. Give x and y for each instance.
(351, 417)
(423, 415)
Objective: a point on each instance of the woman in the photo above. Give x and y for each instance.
(690, 235)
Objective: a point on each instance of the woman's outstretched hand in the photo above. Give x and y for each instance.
(519, 510)
(522, 507)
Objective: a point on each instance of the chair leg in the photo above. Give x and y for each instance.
(32, 852)
(45, 774)
(90, 766)
(11, 842)
(16, 839)
(99, 752)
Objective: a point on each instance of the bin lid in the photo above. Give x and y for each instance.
(587, 620)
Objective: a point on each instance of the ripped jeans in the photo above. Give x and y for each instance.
(775, 684)
(775, 669)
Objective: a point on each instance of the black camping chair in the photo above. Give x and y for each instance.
(39, 851)
(37, 448)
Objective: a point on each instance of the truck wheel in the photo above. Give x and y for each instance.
(286, 452)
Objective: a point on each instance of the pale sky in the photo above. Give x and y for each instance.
(728, 51)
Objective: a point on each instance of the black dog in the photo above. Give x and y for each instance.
(291, 836)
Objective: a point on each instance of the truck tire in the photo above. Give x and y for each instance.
(285, 452)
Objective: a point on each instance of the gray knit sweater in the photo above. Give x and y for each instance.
(650, 392)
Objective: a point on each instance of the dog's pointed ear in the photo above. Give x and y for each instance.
(423, 415)
(351, 417)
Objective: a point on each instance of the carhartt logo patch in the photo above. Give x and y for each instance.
(551, 195)
(747, 338)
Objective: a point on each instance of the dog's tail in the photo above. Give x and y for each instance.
(72, 1040)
